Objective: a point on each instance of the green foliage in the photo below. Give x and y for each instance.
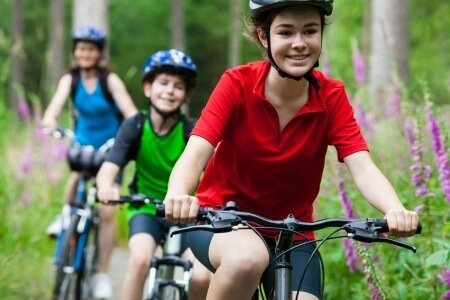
(140, 28)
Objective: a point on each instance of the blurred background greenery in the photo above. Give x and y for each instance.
(33, 171)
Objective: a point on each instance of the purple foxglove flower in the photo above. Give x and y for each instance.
(23, 110)
(358, 65)
(351, 254)
(420, 173)
(440, 152)
(445, 276)
(446, 295)
(326, 65)
(394, 108)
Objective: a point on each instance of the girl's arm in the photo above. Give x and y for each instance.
(180, 205)
(378, 191)
(121, 96)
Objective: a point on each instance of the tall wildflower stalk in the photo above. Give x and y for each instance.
(358, 65)
(349, 249)
(420, 172)
(440, 151)
(371, 272)
(360, 255)
(444, 277)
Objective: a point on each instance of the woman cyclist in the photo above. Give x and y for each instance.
(154, 139)
(97, 119)
(262, 137)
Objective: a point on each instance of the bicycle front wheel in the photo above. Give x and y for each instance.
(169, 291)
(68, 282)
(91, 256)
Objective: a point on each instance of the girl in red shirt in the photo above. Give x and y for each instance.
(263, 137)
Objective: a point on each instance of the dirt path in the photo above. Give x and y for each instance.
(117, 269)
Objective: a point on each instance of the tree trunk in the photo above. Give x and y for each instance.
(55, 53)
(234, 51)
(16, 82)
(177, 25)
(389, 46)
(91, 13)
(177, 36)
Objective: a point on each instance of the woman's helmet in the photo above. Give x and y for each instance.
(257, 6)
(171, 60)
(89, 34)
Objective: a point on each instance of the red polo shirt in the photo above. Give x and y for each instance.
(266, 171)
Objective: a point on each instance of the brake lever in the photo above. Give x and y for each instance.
(366, 231)
(370, 239)
(218, 222)
(192, 228)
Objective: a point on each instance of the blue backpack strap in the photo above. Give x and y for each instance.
(103, 79)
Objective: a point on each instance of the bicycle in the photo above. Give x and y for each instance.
(76, 252)
(229, 218)
(162, 283)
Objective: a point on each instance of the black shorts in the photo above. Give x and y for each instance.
(200, 241)
(156, 227)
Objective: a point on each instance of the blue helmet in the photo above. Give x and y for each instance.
(170, 60)
(89, 34)
(257, 6)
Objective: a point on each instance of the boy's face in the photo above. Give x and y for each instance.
(167, 92)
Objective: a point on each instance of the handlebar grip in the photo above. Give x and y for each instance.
(419, 228)
(382, 223)
(160, 210)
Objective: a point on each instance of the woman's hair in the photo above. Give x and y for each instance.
(264, 20)
(101, 68)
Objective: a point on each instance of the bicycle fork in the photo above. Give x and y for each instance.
(169, 263)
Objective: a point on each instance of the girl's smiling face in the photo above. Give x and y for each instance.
(295, 39)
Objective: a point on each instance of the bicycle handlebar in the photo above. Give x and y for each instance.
(226, 220)
(60, 133)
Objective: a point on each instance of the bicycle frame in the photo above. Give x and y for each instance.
(228, 219)
(85, 217)
(283, 268)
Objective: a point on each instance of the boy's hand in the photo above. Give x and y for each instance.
(105, 195)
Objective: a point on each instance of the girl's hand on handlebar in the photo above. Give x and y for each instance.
(402, 222)
(105, 195)
(181, 209)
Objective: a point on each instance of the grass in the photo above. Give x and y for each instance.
(30, 199)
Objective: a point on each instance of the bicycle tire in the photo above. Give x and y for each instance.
(169, 291)
(91, 258)
(67, 281)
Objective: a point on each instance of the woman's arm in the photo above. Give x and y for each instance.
(180, 205)
(378, 191)
(57, 102)
(121, 96)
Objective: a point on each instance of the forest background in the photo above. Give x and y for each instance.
(398, 81)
